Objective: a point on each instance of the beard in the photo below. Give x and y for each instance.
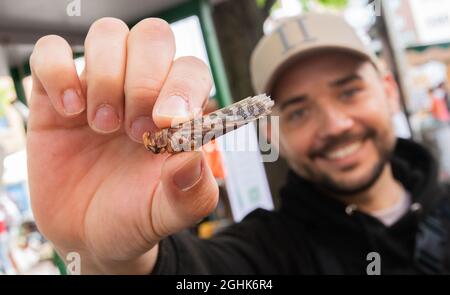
(340, 189)
(326, 182)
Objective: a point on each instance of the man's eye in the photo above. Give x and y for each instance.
(349, 93)
(296, 115)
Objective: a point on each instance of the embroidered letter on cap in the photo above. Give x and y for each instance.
(287, 44)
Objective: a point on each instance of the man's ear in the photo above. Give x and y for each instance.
(392, 92)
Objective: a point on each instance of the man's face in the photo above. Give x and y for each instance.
(335, 120)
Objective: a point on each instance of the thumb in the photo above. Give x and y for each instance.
(187, 193)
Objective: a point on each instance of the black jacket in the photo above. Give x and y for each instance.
(314, 234)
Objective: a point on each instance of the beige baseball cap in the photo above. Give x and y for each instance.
(298, 36)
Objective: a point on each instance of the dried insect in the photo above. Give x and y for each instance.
(192, 134)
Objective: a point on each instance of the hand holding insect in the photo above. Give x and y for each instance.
(191, 135)
(94, 187)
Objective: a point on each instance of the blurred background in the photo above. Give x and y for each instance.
(411, 37)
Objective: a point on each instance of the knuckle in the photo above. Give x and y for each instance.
(195, 69)
(193, 61)
(182, 83)
(206, 204)
(49, 40)
(109, 24)
(42, 46)
(53, 70)
(186, 86)
(155, 27)
(105, 80)
(143, 89)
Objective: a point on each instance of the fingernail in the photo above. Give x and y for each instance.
(189, 174)
(139, 126)
(106, 119)
(173, 106)
(72, 102)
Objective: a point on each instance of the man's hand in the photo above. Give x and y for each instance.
(94, 188)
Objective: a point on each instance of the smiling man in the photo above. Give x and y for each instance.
(357, 200)
(355, 186)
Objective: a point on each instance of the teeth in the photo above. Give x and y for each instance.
(344, 151)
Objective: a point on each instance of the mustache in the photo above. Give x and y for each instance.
(332, 142)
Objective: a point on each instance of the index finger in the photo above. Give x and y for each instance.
(151, 49)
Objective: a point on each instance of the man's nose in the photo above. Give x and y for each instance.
(333, 122)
